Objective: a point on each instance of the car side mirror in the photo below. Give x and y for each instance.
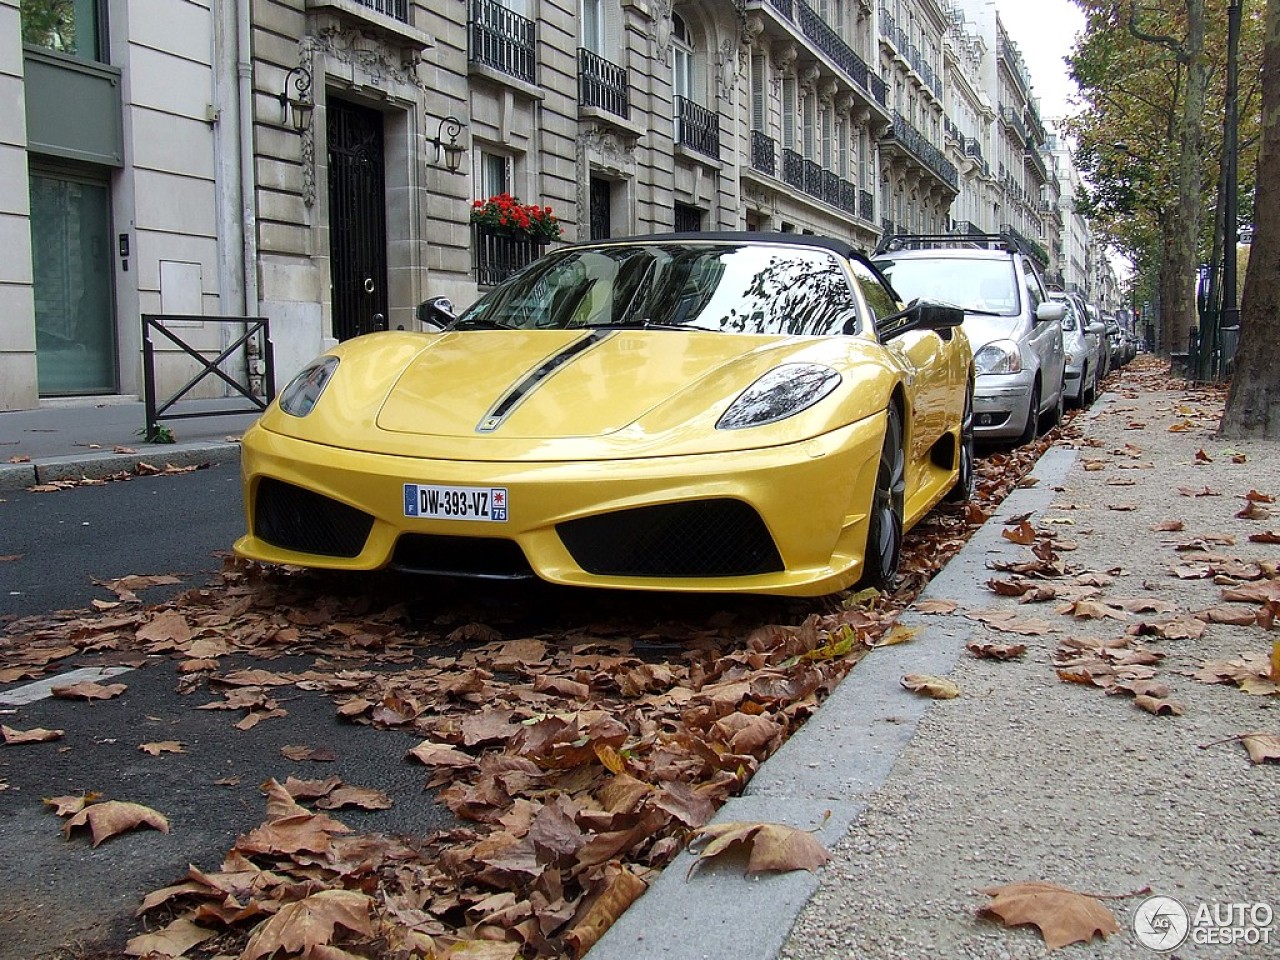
(1097, 329)
(921, 315)
(436, 313)
(1051, 312)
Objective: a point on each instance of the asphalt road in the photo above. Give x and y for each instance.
(148, 525)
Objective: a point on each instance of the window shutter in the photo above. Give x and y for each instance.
(757, 93)
(789, 113)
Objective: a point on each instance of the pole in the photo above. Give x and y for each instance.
(1230, 145)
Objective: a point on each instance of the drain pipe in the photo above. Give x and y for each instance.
(248, 184)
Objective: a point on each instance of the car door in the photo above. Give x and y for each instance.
(924, 356)
(1046, 339)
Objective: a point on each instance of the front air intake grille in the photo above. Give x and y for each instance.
(484, 557)
(292, 518)
(698, 538)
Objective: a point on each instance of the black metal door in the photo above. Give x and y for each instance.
(357, 220)
(601, 228)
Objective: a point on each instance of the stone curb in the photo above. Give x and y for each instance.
(99, 466)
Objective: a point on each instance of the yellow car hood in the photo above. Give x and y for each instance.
(555, 394)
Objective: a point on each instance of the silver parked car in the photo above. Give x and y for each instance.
(1082, 341)
(1014, 328)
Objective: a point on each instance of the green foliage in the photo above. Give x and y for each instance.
(158, 434)
(49, 23)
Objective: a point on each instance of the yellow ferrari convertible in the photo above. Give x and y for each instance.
(730, 412)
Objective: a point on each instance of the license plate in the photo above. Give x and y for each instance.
(455, 503)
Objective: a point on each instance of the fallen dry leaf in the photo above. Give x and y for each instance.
(996, 651)
(307, 924)
(602, 911)
(301, 752)
(88, 690)
(162, 746)
(1023, 534)
(1262, 746)
(173, 941)
(774, 846)
(366, 798)
(65, 806)
(1169, 526)
(937, 687)
(1062, 915)
(34, 735)
(112, 817)
(1159, 706)
(936, 606)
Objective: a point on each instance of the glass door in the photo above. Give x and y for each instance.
(75, 315)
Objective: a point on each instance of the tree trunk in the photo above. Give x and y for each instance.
(1180, 262)
(1253, 404)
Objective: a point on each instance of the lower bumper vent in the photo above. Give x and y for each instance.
(698, 538)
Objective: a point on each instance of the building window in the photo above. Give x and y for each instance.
(73, 27)
(688, 218)
(593, 26)
(493, 173)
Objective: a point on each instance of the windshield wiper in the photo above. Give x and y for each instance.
(478, 323)
(638, 325)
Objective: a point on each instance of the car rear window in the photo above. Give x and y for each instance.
(977, 284)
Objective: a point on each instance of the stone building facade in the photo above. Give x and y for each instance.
(315, 162)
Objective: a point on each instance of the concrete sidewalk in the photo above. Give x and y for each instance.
(101, 436)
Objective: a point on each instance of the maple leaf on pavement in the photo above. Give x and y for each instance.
(1062, 915)
(112, 817)
(307, 924)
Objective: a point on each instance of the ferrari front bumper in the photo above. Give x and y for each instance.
(788, 519)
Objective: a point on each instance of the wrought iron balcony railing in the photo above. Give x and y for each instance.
(501, 39)
(498, 256)
(866, 205)
(914, 142)
(764, 153)
(792, 168)
(396, 9)
(697, 127)
(602, 84)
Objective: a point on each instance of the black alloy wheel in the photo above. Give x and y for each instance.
(884, 527)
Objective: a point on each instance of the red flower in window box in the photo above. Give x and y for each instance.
(505, 214)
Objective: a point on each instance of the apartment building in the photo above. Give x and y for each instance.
(317, 162)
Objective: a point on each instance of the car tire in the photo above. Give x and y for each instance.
(1053, 416)
(884, 522)
(1089, 391)
(1030, 431)
(966, 472)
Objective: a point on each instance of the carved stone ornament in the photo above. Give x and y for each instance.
(660, 11)
(784, 56)
(728, 64)
(374, 58)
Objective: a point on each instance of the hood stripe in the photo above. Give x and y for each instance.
(507, 404)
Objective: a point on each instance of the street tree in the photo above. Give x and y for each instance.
(1253, 403)
(1150, 77)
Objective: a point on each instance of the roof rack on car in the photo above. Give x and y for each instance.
(942, 241)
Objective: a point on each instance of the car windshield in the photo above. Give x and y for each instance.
(726, 287)
(977, 284)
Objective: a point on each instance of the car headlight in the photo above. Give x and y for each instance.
(303, 392)
(782, 392)
(999, 356)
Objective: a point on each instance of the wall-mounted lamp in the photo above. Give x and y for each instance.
(453, 150)
(300, 105)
